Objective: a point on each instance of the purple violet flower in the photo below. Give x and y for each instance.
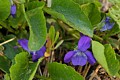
(13, 10)
(81, 55)
(35, 54)
(107, 25)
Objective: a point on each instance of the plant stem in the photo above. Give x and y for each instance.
(42, 77)
(97, 38)
(70, 30)
(7, 27)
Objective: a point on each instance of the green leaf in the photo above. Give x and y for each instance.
(114, 42)
(35, 4)
(115, 11)
(58, 44)
(7, 77)
(0, 27)
(19, 1)
(18, 21)
(112, 61)
(56, 37)
(38, 32)
(105, 55)
(4, 9)
(23, 69)
(91, 10)
(70, 13)
(114, 2)
(83, 1)
(115, 30)
(4, 64)
(118, 57)
(98, 51)
(1, 48)
(10, 51)
(59, 71)
(52, 33)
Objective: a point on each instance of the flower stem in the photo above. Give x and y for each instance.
(7, 27)
(97, 38)
(70, 30)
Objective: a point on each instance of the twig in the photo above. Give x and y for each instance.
(45, 72)
(39, 71)
(52, 56)
(95, 72)
(86, 70)
(80, 69)
(49, 2)
(7, 41)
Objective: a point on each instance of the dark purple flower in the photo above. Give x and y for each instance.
(81, 55)
(107, 25)
(13, 10)
(35, 54)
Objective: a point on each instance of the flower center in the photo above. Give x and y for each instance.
(80, 53)
(34, 52)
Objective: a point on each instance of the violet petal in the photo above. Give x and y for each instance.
(43, 49)
(79, 60)
(104, 28)
(107, 19)
(84, 43)
(90, 57)
(40, 53)
(24, 44)
(68, 56)
(110, 25)
(13, 10)
(107, 26)
(34, 57)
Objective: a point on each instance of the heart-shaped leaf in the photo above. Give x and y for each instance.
(70, 13)
(105, 55)
(23, 69)
(4, 9)
(63, 72)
